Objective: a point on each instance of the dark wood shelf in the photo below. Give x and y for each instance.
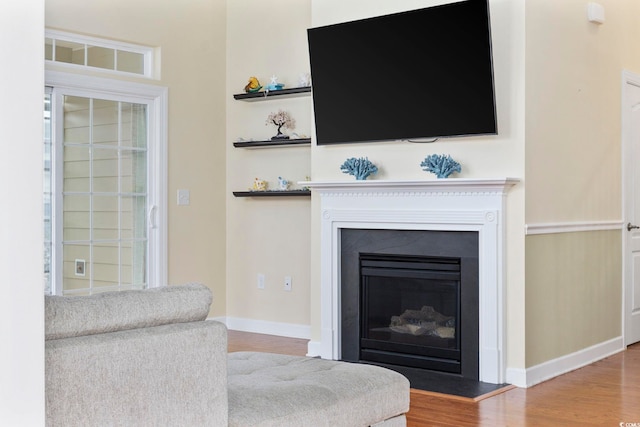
(282, 93)
(274, 193)
(272, 143)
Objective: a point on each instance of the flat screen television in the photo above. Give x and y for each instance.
(414, 75)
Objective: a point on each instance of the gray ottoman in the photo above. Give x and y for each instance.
(277, 390)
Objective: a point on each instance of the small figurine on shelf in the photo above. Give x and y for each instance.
(274, 85)
(259, 185)
(306, 187)
(360, 168)
(282, 119)
(283, 184)
(253, 85)
(304, 79)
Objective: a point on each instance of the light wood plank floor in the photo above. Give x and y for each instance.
(605, 393)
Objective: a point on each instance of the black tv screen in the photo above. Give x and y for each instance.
(420, 74)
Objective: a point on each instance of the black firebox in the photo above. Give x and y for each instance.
(409, 301)
(410, 311)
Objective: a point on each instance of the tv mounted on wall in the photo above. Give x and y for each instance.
(414, 75)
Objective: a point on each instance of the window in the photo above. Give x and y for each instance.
(83, 51)
(104, 198)
(47, 191)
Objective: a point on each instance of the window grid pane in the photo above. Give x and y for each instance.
(104, 54)
(104, 195)
(47, 196)
(101, 57)
(69, 52)
(130, 62)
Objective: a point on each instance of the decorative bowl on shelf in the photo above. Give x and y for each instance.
(276, 86)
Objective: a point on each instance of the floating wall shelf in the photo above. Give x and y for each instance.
(272, 143)
(274, 193)
(282, 93)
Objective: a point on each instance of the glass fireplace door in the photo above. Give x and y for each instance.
(410, 311)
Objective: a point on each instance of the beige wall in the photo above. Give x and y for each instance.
(267, 236)
(573, 161)
(573, 71)
(493, 156)
(573, 294)
(191, 38)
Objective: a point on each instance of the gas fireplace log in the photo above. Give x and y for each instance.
(426, 321)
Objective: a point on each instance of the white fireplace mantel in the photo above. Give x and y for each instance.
(444, 204)
(452, 184)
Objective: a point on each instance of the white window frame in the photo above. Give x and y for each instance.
(88, 41)
(157, 99)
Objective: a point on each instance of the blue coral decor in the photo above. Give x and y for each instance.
(440, 165)
(361, 168)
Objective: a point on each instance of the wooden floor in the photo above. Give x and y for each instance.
(606, 393)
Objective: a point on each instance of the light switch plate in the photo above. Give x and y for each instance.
(184, 197)
(595, 12)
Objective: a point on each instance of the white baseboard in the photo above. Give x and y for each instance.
(313, 349)
(545, 371)
(290, 330)
(517, 377)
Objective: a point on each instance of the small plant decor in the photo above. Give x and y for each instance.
(440, 165)
(361, 168)
(281, 119)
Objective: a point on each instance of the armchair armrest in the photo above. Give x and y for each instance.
(172, 374)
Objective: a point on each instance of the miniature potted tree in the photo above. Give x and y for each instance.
(281, 119)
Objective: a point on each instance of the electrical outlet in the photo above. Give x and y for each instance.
(260, 281)
(287, 283)
(80, 267)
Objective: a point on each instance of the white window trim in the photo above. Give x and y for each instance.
(157, 96)
(145, 51)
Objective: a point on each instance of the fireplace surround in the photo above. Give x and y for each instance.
(459, 204)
